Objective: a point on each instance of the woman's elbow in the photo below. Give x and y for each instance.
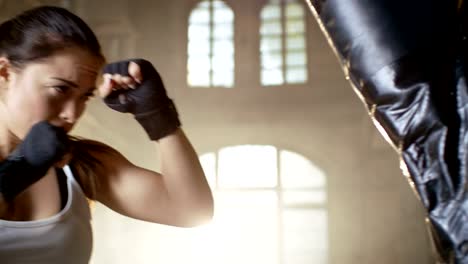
(198, 215)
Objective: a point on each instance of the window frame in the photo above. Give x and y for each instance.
(211, 44)
(284, 51)
(279, 190)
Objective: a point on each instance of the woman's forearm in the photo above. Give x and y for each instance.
(184, 178)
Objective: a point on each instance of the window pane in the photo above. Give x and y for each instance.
(223, 63)
(211, 34)
(294, 10)
(199, 78)
(304, 198)
(199, 62)
(272, 77)
(295, 58)
(305, 236)
(200, 16)
(296, 75)
(224, 78)
(270, 44)
(247, 166)
(223, 47)
(271, 12)
(223, 31)
(296, 171)
(271, 60)
(223, 70)
(271, 28)
(295, 26)
(244, 229)
(199, 32)
(200, 47)
(199, 70)
(223, 15)
(295, 42)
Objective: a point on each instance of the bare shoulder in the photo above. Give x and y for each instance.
(121, 185)
(96, 163)
(93, 151)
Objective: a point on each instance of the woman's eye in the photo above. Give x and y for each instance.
(90, 95)
(60, 88)
(87, 96)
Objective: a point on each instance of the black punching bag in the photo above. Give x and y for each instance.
(407, 61)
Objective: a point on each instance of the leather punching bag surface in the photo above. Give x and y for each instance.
(408, 62)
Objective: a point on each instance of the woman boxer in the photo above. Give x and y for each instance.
(50, 61)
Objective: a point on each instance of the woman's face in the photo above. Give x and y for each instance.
(55, 89)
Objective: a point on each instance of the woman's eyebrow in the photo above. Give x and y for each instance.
(74, 85)
(66, 81)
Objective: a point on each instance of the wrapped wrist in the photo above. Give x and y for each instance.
(160, 122)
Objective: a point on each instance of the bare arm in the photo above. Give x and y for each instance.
(178, 196)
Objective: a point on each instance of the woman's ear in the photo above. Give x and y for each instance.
(4, 76)
(4, 69)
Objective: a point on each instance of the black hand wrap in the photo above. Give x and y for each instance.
(149, 102)
(29, 162)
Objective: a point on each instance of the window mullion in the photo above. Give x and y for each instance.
(283, 39)
(211, 39)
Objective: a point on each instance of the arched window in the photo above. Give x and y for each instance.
(271, 206)
(283, 43)
(210, 45)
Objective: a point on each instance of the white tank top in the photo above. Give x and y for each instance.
(63, 238)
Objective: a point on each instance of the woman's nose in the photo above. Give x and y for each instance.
(70, 112)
